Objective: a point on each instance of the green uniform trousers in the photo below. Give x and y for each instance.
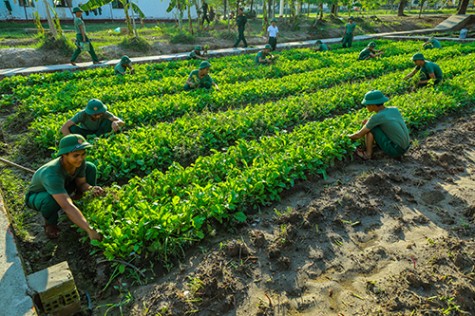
(348, 40)
(104, 127)
(78, 49)
(240, 38)
(44, 203)
(204, 85)
(387, 145)
(273, 42)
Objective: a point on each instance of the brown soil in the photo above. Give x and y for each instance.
(376, 238)
(27, 57)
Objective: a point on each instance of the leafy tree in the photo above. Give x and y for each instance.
(128, 5)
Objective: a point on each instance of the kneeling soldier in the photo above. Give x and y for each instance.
(94, 120)
(124, 64)
(200, 78)
(56, 183)
(387, 128)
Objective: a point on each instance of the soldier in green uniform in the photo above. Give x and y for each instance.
(200, 78)
(94, 120)
(57, 183)
(431, 43)
(428, 71)
(241, 21)
(264, 56)
(370, 52)
(320, 46)
(349, 30)
(121, 68)
(197, 54)
(81, 38)
(387, 128)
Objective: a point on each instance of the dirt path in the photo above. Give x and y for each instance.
(376, 238)
(330, 28)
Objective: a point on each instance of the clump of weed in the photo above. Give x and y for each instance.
(138, 44)
(60, 44)
(182, 38)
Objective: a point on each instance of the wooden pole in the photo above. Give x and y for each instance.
(8, 162)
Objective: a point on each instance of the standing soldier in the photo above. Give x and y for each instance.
(94, 120)
(82, 41)
(370, 52)
(349, 30)
(241, 21)
(124, 64)
(272, 32)
(204, 7)
(200, 78)
(320, 46)
(428, 71)
(57, 183)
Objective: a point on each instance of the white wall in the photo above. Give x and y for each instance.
(153, 9)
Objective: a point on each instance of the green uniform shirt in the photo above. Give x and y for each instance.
(392, 124)
(192, 54)
(436, 43)
(54, 179)
(323, 47)
(364, 54)
(429, 68)
(350, 28)
(241, 21)
(204, 82)
(119, 69)
(86, 121)
(77, 23)
(260, 55)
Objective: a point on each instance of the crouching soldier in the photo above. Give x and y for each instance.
(386, 128)
(200, 78)
(370, 52)
(428, 71)
(196, 53)
(121, 68)
(55, 184)
(264, 56)
(320, 46)
(94, 120)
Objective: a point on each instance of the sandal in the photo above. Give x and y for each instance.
(361, 154)
(51, 231)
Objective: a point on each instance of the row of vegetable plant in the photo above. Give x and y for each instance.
(163, 212)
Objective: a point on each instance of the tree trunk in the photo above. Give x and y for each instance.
(400, 8)
(52, 29)
(334, 9)
(463, 7)
(269, 10)
(321, 11)
(190, 22)
(422, 6)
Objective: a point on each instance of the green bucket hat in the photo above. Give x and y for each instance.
(95, 106)
(274, 20)
(318, 42)
(197, 47)
(72, 142)
(372, 44)
(125, 60)
(374, 97)
(77, 9)
(205, 64)
(350, 18)
(418, 56)
(267, 46)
